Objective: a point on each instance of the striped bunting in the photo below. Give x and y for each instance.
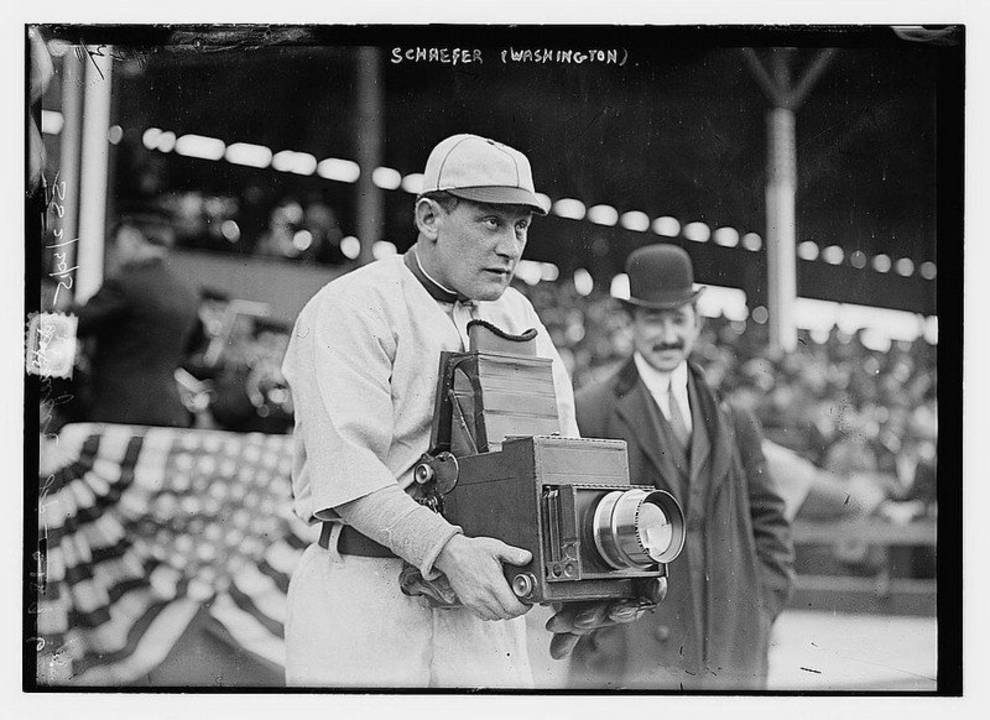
(145, 526)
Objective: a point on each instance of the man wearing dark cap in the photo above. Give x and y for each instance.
(362, 365)
(734, 574)
(142, 319)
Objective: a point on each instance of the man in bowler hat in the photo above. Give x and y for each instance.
(735, 573)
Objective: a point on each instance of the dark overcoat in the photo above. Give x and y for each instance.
(735, 572)
(142, 320)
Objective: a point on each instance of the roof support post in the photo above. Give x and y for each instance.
(93, 174)
(66, 190)
(781, 190)
(370, 133)
(781, 228)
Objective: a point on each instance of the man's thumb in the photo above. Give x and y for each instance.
(514, 555)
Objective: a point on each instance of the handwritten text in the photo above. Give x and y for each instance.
(443, 56)
(612, 56)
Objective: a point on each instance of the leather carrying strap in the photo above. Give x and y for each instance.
(351, 542)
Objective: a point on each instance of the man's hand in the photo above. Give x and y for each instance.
(473, 566)
(575, 620)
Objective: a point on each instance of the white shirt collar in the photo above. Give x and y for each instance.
(443, 288)
(660, 383)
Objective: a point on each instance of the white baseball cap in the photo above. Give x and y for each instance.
(482, 170)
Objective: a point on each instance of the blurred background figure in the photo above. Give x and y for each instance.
(250, 393)
(141, 322)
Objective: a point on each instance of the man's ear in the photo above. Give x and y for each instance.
(428, 214)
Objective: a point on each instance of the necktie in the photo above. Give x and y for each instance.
(677, 424)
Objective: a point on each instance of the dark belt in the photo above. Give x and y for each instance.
(351, 542)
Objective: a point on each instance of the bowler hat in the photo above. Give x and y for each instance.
(482, 170)
(660, 277)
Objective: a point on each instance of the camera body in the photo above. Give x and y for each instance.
(498, 468)
(542, 493)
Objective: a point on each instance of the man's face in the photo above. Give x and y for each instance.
(475, 248)
(665, 337)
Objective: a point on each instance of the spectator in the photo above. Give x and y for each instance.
(141, 320)
(735, 571)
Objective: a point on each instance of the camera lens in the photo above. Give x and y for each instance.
(635, 528)
(654, 529)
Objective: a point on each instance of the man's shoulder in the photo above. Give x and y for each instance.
(514, 301)
(137, 281)
(153, 276)
(366, 286)
(372, 276)
(598, 393)
(178, 281)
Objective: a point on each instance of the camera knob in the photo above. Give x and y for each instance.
(523, 584)
(423, 473)
(659, 591)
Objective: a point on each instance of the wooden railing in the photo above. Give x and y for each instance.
(869, 530)
(880, 593)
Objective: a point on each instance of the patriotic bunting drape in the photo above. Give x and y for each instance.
(141, 527)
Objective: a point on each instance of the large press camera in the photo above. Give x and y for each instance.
(498, 468)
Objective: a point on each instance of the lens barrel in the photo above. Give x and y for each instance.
(638, 528)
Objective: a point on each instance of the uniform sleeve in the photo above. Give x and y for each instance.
(587, 409)
(389, 516)
(338, 366)
(771, 530)
(106, 307)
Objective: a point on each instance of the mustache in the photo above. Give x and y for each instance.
(662, 347)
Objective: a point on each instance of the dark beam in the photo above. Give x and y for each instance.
(804, 85)
(775, 94)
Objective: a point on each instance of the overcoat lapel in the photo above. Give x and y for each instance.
(714, 445)
(701, 424)
(633, 405)
(711, 455)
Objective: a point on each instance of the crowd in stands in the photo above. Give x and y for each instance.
(299, 229)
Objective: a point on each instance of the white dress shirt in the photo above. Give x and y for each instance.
(660, 384)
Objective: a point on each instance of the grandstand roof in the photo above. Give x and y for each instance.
(678, 130)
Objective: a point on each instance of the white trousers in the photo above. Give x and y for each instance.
(349, 625)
